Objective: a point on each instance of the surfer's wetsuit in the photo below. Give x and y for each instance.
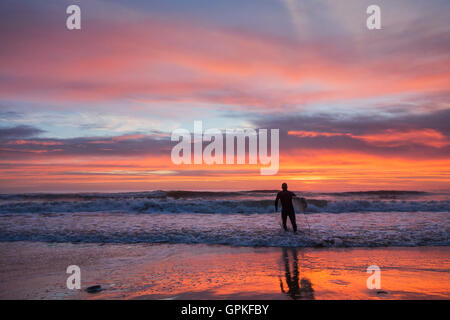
(287, 209)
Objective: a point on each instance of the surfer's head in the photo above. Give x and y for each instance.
(284, 186)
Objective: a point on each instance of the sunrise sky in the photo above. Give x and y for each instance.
(93, 109)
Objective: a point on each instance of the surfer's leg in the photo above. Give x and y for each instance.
(284, 219)
(292, 218)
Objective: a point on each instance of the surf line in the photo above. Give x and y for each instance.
(257, 143)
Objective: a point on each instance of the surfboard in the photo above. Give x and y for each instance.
(298, 204)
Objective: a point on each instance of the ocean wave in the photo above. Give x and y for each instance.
(382, 194)
(144, 204)
(186, 194)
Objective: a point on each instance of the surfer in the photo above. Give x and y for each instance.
(287, 209)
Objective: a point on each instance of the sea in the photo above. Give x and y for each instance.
(238, 218)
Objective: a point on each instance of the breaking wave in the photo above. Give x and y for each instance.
(248, 202)
(378, 229)
(245, 218)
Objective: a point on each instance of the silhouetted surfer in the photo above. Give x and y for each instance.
(287, 209)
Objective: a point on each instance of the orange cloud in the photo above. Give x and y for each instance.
(35, 142)
(389, 137)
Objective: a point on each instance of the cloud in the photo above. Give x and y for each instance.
(404, 135)
(21, 131)
(137, 145)
(390, 137)
(7, 115)
(187, 61)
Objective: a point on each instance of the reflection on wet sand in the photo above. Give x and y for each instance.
(296, 288)
(165, 271)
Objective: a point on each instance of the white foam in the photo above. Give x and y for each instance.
(250, 206)
(343, 230)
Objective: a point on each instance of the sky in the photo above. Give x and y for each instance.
(93, 109)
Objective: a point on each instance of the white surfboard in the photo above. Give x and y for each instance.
(298, 205)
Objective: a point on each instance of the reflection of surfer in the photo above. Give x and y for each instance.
(296, 290)
(287, 208)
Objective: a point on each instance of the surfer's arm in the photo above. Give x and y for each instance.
(276, 201)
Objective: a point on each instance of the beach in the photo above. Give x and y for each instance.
(224, 245)
(36, 270)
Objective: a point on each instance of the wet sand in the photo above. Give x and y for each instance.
(33, 270)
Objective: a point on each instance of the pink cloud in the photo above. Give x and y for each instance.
(166, 61)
